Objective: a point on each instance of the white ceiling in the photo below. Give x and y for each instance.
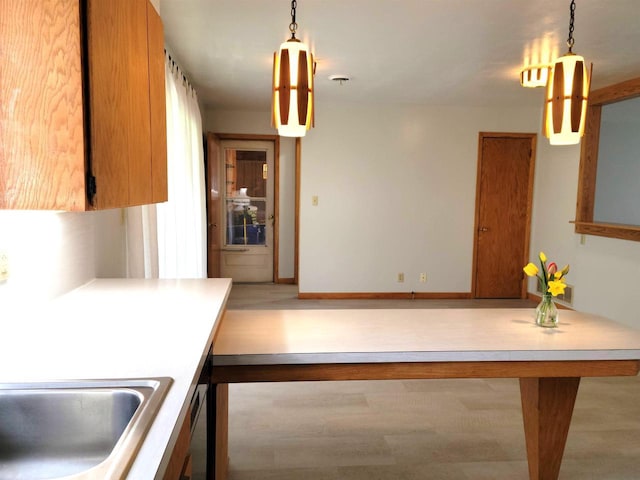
(428, 52)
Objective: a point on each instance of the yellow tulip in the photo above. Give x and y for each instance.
(530, 269)
(556, 287)
(543, 257)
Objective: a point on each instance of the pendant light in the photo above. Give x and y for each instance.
(565, 105)
(292, 105)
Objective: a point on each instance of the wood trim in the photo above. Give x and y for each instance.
(474, 261)
(584, 223)
(422, 370)
(384, 295)
(525, 259)
(297, 210)
(246, 136)
(214, 213)
(616, 92)
(612, 230)
(276, 209)
(588, 165)
(287, 281)
(507, 135)
(527, 236)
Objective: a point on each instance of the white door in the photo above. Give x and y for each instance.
(247, 252)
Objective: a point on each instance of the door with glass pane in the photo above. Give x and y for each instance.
(247, 252)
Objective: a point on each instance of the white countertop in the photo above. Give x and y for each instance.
(266, 337)
(125, 328)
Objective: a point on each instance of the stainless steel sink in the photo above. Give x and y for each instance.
(80, 430)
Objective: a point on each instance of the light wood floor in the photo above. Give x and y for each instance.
(408, 430)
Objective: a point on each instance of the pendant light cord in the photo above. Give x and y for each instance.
(293, 26)
(572, 11)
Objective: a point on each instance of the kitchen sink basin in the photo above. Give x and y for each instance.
(82, 430)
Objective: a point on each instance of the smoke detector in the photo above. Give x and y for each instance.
(339, 78)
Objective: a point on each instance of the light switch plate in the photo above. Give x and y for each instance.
(4, 266)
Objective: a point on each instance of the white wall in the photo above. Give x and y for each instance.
(604, 271)
(396, 190)
(51, 253)
(259, 123)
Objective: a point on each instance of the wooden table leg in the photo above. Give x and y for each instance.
(547, 406)
(217, 431)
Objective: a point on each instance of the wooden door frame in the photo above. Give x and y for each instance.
(212, 143)
(276, 197)
(527, 237)
(296, 248)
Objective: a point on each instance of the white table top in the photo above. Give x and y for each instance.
(267, 337)
(121, 329)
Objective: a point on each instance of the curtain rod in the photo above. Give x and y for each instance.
(174, 65)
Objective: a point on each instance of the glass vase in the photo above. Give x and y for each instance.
(547, 312)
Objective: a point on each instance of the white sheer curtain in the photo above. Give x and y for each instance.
(169, 240)
(181, 221)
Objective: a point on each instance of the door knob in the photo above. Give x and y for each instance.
(483, 229)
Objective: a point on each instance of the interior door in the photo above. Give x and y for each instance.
(214, 202)
(503, 214)
(247, 234)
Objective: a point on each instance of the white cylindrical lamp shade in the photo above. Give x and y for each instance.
(565, 107)
(293, 92)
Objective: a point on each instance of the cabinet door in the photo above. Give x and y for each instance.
(119, 102)
(157, 97)
(179, 460)
(77, 98)
(42, 145)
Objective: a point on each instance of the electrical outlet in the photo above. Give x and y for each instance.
(400, 277)
(423, 278)
(4, 266)
(314, 200)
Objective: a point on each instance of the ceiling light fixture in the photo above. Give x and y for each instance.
(565, 104)
(292, 103)
(339, 78)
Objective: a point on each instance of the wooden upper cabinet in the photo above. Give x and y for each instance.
(82, 91)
